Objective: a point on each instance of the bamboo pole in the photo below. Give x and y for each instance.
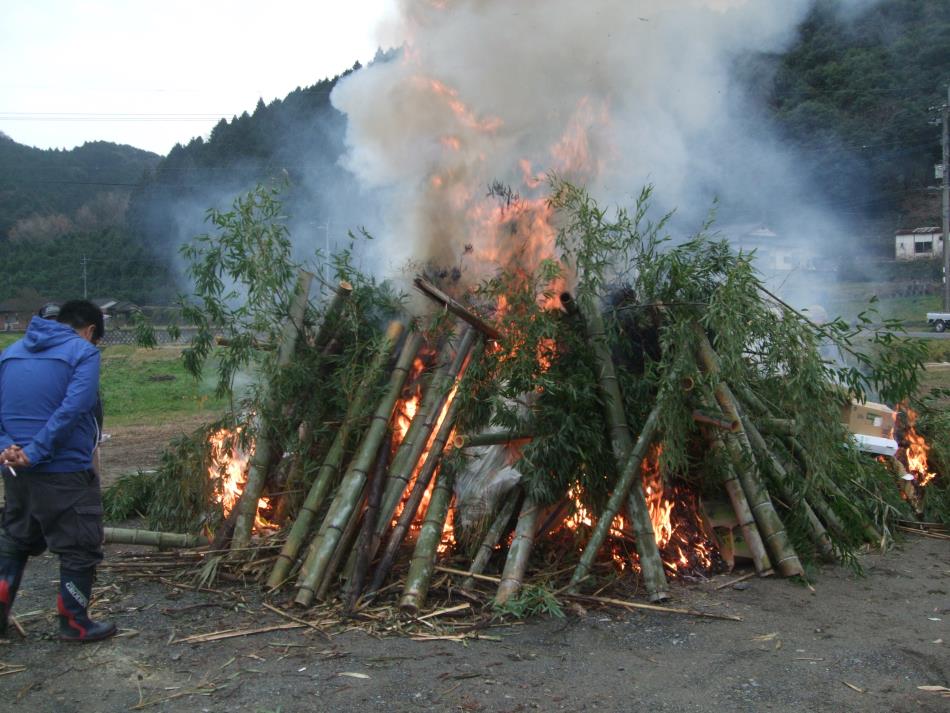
(263, 448)
(816, 530)
(492, 438)
(740, 505)
(417, 438)
(717, 421)
(651, 565)
(427, 545)
(434, 293)
(628, 478)
(346, 543)
(517, 561)
(871, 533)
(814, 497)
(351, 487)
(333, 460)
(777, 426)
(770, 524)
(495, 531)
(129, 536)
(433, 458)
(328, 329)
(356, 578)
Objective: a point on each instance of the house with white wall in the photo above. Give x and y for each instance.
(918, 243)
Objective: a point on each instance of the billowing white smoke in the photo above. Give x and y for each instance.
(612, 94)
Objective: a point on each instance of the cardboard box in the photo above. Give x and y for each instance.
(869, 419)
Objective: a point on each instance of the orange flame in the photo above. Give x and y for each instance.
(916, 451)
(228, 471)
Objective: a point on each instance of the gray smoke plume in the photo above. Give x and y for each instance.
(611, 94)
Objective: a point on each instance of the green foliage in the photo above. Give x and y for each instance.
(532, 600)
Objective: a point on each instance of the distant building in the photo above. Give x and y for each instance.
(119, 311)
(12, 316)
(773, 252)
(918, 243)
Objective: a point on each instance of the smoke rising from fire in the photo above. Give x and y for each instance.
(612, 94)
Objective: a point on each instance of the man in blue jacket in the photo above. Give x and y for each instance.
(48, 388)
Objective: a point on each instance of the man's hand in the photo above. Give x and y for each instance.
(14, 456)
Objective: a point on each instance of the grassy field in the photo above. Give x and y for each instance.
(148, 386)
(152, 386)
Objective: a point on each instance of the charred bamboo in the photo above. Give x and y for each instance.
(782, 553)
(330, 468)
(492, 537)
(427, 545)
(351, 488)
(628, 478)
(434, 293)
(128, 536)
(263, 448)
(651, 565)
(518, 554)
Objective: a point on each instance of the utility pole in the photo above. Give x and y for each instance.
(945, 160)
(84, 291)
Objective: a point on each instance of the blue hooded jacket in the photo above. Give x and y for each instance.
(49, 382)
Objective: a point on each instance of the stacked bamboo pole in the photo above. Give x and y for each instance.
(517, 561)
(128, 536)
(350, 489)
(257, 471)
(769, 523)
(333, 460)
(651, 565)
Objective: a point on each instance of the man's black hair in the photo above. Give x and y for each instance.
(81, 313)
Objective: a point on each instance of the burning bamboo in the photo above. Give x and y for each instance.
(127, 536)
(432, 461)
(770, 524)
(417, 437)
(629, 477)
(257, 471)
(333, 460)
(517, 561)
(350, 489)
(434, 293)
(651, 566)
(423, 556)
(492, 536)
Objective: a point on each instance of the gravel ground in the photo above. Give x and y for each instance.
(854, 644)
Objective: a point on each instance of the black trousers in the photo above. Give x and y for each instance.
(61, 511)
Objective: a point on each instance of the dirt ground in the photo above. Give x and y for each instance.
(854, 644)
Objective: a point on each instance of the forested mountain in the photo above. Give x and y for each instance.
(860, 93)
(857, 95)
(56, 184)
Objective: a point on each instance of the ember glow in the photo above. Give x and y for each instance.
(677, 526)
(228, 471)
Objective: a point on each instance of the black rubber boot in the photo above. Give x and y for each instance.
(75, 588)
(11, 572)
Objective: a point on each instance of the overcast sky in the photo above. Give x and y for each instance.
(153, 73)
